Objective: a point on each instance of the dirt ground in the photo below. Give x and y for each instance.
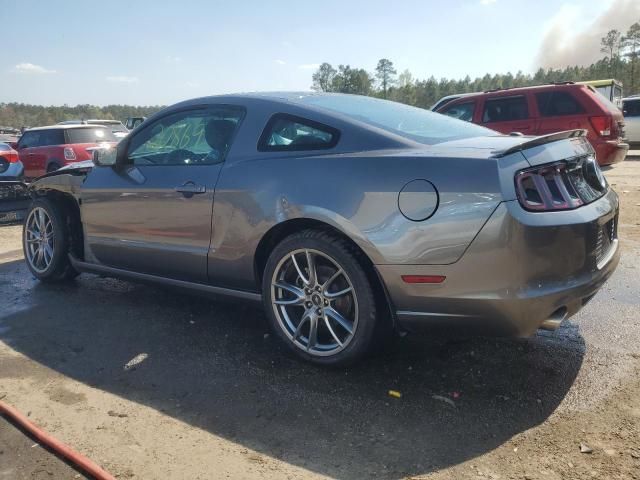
(154, 384)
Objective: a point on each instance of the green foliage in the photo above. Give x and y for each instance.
(621, 62)
(24, 115)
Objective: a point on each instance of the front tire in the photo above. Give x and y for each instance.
(45, 242)
(319, 300)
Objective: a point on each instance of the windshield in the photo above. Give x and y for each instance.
(90, 135)
(414, 123)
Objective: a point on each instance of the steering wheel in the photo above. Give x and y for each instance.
(179, 155)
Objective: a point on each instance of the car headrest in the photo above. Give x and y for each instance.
(218, 133)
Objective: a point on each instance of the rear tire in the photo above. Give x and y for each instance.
(45, 242)
(326, 314)
(52, 167)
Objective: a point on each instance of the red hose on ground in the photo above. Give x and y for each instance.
(82, 462)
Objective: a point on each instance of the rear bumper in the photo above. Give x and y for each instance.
(523, 271)
(610, 152)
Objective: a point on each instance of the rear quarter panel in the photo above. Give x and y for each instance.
(356, 194)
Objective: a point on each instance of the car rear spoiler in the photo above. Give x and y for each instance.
(541, 140)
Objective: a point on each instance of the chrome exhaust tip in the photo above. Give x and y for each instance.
(555, 320)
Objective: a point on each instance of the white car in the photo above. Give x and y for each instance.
(631, 112)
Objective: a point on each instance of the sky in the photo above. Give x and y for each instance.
(155, 52)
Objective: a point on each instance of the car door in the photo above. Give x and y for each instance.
(151, 212)
(507, 114)
(26, 145)
(558, 111)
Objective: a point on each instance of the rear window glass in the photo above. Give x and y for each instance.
(90, 135)
(461, 111)
(555, 103)
(4, 147)
(417, 124)
(631, 108)
(286, 132)
(604, 100)
(505, 109)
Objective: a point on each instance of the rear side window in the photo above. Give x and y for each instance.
(287, 132)
(90, 135)
(631, 108)
(461, 111)
(505, 109)
(554, 104)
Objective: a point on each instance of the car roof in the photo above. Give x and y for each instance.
(65, 127)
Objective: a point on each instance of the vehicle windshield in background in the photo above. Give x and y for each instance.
(414, 123)
(90, 135)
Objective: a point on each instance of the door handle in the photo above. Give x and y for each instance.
(189, 189)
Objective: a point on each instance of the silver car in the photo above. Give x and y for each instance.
(347, 217)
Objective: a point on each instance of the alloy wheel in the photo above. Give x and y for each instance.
(314, 302)
(38, 237)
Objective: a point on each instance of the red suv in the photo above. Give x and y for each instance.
(46, 149)
(547, 109)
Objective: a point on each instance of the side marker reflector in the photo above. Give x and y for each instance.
(423, 278)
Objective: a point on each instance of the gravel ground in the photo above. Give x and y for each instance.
(152, 383)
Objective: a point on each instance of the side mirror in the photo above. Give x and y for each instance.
(14, 145)
(104, 156)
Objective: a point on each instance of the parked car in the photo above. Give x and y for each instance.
(546, 109)
(346, 216)
(11, 167)
(116, 126)
(13, 199)
(631, 112)
(45, 149)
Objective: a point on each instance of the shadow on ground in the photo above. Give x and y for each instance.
(209, 364)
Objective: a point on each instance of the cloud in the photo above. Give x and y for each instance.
(309, 66)
(122, 79)
(487, 2)
(571, 38)
(31, 68)
(172, 59)
(280, 62)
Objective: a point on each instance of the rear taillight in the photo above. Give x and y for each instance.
(560, 186)
(11, 157)
(602, 125)
(69, 154)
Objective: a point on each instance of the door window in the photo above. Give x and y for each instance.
(194, 137)
(29, 139)
(631, 108)
(554, 104)
(505, 109)
(461, 111)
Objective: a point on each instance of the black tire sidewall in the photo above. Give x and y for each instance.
(59, 262)
(338, 250)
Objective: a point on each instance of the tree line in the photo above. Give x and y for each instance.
(620, 61)
(19, 115)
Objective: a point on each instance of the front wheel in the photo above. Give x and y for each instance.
(45, 242)
(318, 298)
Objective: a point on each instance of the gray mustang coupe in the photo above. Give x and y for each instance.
(348, 217)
